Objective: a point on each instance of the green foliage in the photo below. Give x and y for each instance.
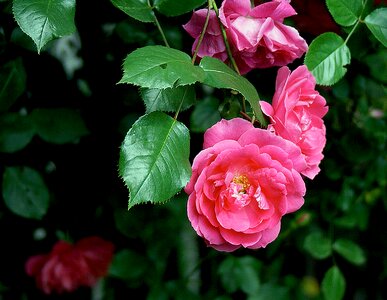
(162, 168)
(160, 67)
(44, 20)
(25, 192)
(350, 251)
(377, 24)
(175, 8)
(169, 100)
(326, 58)
(205, 114)
(137, 9)
(16, 131)
(219, 75)
(333, 284)
(12, 83)
(345, 12)
(59, 125)
(318, 245)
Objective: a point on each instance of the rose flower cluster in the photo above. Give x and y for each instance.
(70, 266)
(246, 178)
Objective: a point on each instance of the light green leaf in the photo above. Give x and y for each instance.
(160, 67)
(137, 9)
(333, 284)
(376, 22)
(25, 192)
(219, 75)
(45, 20)
(345, 12)
(171, 99)
(59, 125)
(176, 8)
(205, 114)
(350, 251)
(318, 245)
(326, 57)
(12, 83)
(154, 159)
(16, 132)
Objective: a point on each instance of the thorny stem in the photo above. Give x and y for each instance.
(203, 32)
(159, 28)
(228, 49)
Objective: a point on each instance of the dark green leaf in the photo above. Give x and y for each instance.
(16, 132)
(350, 251)
(219, 75)
(175, 8)
(326, 57)
(345, 12)
(318, 245)
(205, 114)
(58, 126)
(25, 192)
(45, 20)
(333, 284)
(154, 159)
(171, 99)
(160, 67)
(378, 65)
(128, 265)
(137, 9)
(240, 273)
(376, 22)
(12, 83)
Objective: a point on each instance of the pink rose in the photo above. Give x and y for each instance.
(258, 36)
(242, 183)
(296, 114)
(67, 266)
(212, 43)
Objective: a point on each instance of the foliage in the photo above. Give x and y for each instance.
(102, 107)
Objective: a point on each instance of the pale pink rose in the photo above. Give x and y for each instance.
(296, 114)
(212, 43)
(70, 266)
(258, 37)
(242, 183)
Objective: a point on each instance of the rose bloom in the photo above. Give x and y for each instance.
(243, 181)
(212, 43)
(296, 114)
(258, 36)
(68, 266)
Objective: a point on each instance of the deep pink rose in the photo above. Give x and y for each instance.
(258, 37)
(296, 114)
(68, 266)
(242, 183)
(212, 43)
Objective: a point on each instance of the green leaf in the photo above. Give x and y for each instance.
(59, 125)
(176, 8)
(171, 99)
(25, 192)
(137, 9)
(12, 83)
(345, 12)
(318, 245)
(240, 273)
(154, 159)
(219, 75)
(128, 265)
(160, 67)
(205, 114)
(350, 251)
(376, 22)
(377, 64)
(326, 57)
(16, 132)
(45, 20)
(333, 284)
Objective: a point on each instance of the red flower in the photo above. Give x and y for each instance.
(68, 266)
